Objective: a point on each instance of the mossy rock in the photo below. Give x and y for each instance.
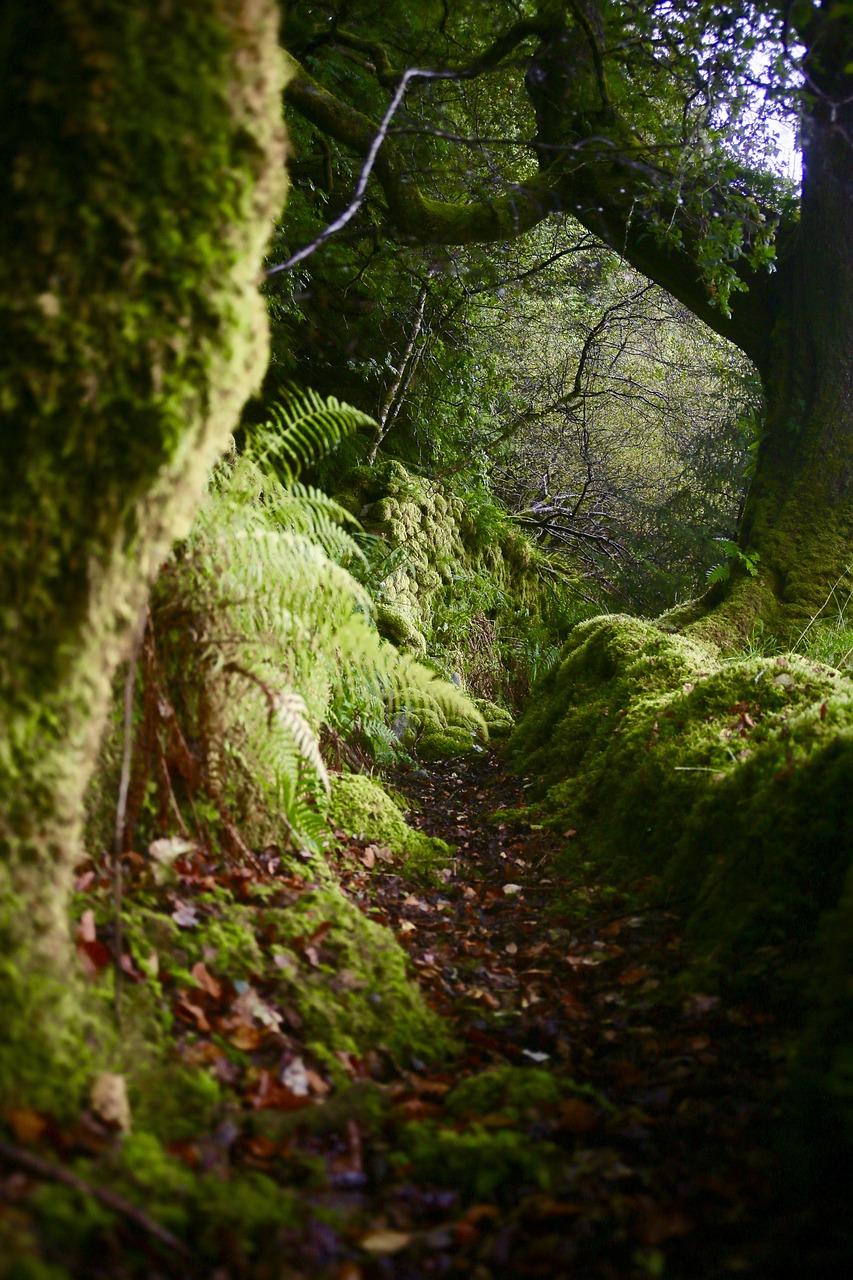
(360, 995)
(396, 625)
(670, 761)
(442, 746)
(499, 721)
(360, 806)
(479, 1163)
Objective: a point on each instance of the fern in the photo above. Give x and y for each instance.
(268, 636)
(302, 428)
(747, 560)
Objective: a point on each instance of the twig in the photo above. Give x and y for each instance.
(52, 1172)
(121, 804)
(379, 137)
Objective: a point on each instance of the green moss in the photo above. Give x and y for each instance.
(730, 781)
(359, 806)
(512, 1091)
(207, 1209)
(463, 575)
(396, 625)
(478, 1162)
(638, 732)
(359, 995)
(172, 1102)
(499, 721)
(129, 252)
(440, 746)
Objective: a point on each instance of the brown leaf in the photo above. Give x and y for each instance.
(206, 981)
(624, 1072)
(269, 1094)
(262, 1147)
(368, 858)
(95, 957)
(243, 1035)
(657, 1223)
(316, 1083)
(349, 1271)
(631, 976)
(192, 1013)
(320, 933)
(27, 1125)
(578, 1116)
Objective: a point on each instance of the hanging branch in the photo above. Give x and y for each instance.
(386, 420)
(413, 73)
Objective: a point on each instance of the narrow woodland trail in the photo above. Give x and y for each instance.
(626, 1129)
(600, 1119)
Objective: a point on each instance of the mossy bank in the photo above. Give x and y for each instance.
(729, 783)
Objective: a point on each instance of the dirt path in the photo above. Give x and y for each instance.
(647, 1155)
(600, 1120)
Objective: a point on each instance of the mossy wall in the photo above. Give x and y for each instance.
(143, 167)
(729, 781)
(459, 584)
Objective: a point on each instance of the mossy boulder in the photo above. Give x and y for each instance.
(499, 721)
(360, 806)
(462, 581)
(359, 996)
(444, 744)
(397, 626)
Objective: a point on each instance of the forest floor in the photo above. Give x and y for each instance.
(601, 1119)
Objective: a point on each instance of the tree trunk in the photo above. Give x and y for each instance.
(799, 513)
(142, 166)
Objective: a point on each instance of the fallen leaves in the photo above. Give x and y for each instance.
(568, 998)
(385, 1241)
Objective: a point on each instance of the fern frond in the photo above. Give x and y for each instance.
(283, 637)
(302, 428)
(292, 714)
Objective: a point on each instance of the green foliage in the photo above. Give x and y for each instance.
(455, 575)
(512, 1091)
(746, 560)
(360, 806)
(259, 636)
(478, 1162)
(301, 430)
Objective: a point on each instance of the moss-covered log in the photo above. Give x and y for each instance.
(143, 167)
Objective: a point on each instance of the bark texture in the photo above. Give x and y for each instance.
(142, 159)
(799, 514)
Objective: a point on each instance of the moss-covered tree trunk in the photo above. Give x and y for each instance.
(142, 168)
(799, 515)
